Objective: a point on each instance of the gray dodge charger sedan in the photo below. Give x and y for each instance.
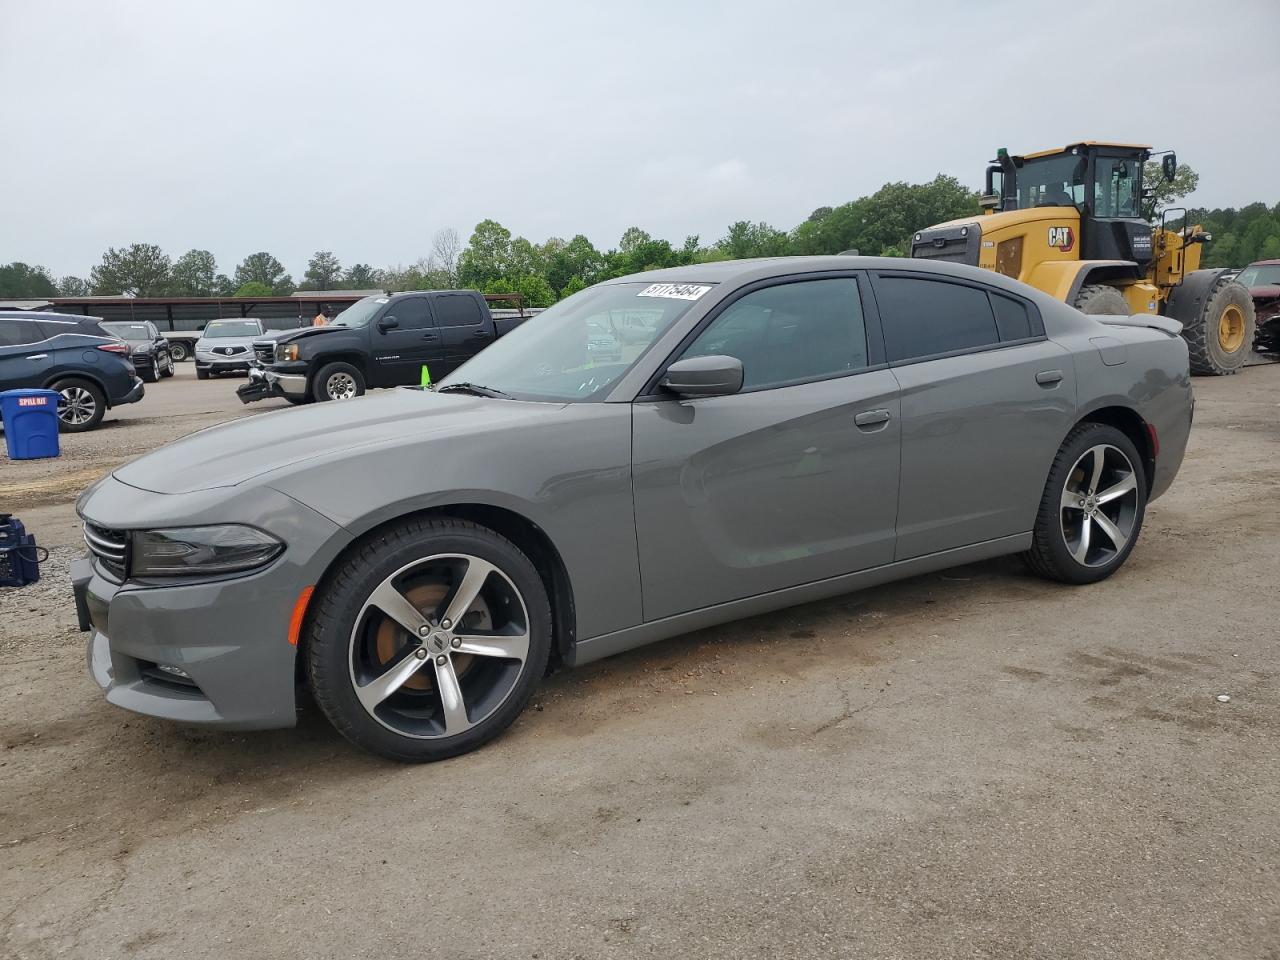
(773, 432)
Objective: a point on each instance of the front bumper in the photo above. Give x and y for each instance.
(268, 383)
(240, 362)
(229, 637)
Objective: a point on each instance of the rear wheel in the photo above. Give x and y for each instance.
(338, 381)
(81, 404)
(178, 350)
(428, 640)
(1098, 298)
(1092, 509)
(1220, 340)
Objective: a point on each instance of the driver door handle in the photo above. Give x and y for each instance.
(1047, 378)
(871, 418)
(429, 336)
(38, 356)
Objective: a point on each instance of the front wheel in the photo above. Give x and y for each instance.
(338, 381)
(167, 369)
(1092, 509)
(429, 639)
(1220, 340)
(202, 374)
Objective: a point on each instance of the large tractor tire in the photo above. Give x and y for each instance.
(1220, 339)
(1098, 298)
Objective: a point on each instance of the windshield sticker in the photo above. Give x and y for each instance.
(674, 291)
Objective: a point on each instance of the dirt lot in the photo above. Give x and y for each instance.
(971, 764)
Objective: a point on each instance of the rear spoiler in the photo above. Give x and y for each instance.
(1149, 320)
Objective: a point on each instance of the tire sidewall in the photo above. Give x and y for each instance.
(1067, 567)
(1228, 294)
(1101, 300)
(340, 602)
(320, 387)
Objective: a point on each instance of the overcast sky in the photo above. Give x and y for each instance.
(362, 128)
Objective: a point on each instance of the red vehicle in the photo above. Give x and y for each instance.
(1263, 280)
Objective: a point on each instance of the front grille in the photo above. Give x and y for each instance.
(264, 352)
(110, 547)
(230, 351)
(949, 244)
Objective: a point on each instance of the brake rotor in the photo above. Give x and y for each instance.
(389, 640)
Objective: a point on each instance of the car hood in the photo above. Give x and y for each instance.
(304, 332)
(233, 453)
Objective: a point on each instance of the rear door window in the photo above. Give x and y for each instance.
(924, 318)
(15, 333)
(457, 310)
(1013, 319)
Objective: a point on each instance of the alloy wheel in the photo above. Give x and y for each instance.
(340, 386)
(439, 645)
(1099, 505)
(76, 405)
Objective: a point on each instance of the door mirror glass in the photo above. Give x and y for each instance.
(1169, 166)
(388, 323)
(713, 376)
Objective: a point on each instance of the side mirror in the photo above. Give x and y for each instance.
(704, 376)
(1169, 165)
(388, 323)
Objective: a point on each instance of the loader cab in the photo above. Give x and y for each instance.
(1102, 181)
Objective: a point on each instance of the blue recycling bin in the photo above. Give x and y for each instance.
(30, 423)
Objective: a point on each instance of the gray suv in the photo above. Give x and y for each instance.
(226, 346)
(783, 431)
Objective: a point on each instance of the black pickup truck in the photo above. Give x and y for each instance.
(380, 341)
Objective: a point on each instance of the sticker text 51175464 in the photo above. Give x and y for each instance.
(675, 291)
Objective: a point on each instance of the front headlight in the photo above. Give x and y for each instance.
(196, 551)
(286, 351)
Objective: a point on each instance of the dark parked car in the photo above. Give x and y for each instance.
(793, 429)
(1263, 280)
(376, 342)
(75, 356)
(151, 356)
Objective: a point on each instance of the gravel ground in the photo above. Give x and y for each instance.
(971, 764)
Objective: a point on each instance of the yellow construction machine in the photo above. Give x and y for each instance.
(1076, 223)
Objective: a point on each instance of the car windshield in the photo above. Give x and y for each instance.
(361, 312)
(127, 331)
(232, 328)
(1261, 275)
(578, 349)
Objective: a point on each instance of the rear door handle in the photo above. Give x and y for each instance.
(428, 336)
(871, 418)
(1047, 378)
(480, 335)
(38, 356)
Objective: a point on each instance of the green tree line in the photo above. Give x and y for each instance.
(495, 261)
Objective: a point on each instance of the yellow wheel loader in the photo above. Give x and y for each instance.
(1071, 223)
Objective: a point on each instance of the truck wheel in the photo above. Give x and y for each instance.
(178, 350)
(1098, 298)
(1220, 340)
(81, 404)
(428, 639)
(337, 381)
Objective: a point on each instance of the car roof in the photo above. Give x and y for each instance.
(1264, 263)
(48, 316)
(744, 271)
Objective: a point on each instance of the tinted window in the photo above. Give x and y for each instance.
(925, 317)
(1012, 318)
(457, 312)
(414, 313)
(15, 332)
(791, 332)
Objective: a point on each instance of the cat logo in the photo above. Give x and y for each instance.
(1062, 238)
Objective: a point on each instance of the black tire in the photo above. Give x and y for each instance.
(179, 351)
(1228, 309)
(202, 374)
(298, 401)
(338, 630)
(1098, 298)
(167, 369)
(152, 375)
(1052, 554)
(81, 406)
(337, 381)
